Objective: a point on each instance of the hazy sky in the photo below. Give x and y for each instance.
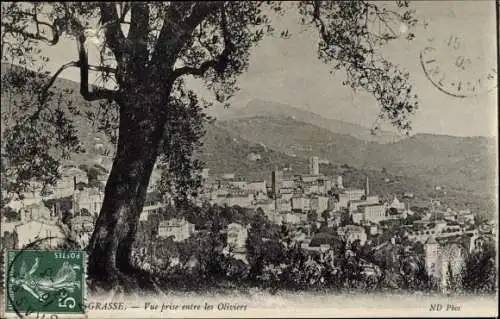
(287, 71)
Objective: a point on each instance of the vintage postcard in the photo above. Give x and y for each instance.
(249, 159)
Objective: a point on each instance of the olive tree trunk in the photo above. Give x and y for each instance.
(140, 133)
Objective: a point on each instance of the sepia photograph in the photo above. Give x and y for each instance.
(249, 159)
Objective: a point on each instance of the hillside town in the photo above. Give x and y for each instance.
(316, 209)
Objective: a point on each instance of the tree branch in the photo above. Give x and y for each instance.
(112, 30)
(139, 31)
(316, 18)
(139, 22)
(196, 71)
(102, 68)
(83, 63)
(10, 27)
(177, 28)
(219, 64)
(53, 27)
(45, 90)
(124, 8)
(34, 36)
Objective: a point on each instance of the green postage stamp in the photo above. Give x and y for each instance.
(45, 281)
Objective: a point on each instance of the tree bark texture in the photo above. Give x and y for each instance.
(140, 133)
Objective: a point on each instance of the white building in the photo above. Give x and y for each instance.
(354, 193)
(284, 205)
(302, 203)
(205, 173)
(372, 199)
(288, 183)
(372, 212)
(335, 219)
(153, 204)
(47, 234)
(288, 217)
(357, 217)
(36, 211)
(350, 195)
(257, 186)
(228, 176)
(319, 203)
(354, 204)
(254, 157)
(239, 199)
(333, 204)
(90, 199)
(286, 193)
(180, 229)
(340, 184)
(352, 233)
(237, 236)
(373, 229)
(70, 177)
(81, 229)
(396, 204)
(311, 188)
(239, 184)
(267, 205)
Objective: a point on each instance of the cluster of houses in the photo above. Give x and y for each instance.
(288, 200)
(72, 209)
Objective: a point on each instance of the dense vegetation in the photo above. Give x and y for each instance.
(276, 261)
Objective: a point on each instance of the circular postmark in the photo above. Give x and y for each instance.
(454, 65)
(45, 282)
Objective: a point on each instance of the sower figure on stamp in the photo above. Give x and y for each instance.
(40, 287)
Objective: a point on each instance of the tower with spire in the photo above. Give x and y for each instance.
(276, 179)
(367, 187)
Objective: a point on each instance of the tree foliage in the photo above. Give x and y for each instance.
(263, 246)
(480, 271)
(182, 137)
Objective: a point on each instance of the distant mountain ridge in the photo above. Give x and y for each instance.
(262, 108)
